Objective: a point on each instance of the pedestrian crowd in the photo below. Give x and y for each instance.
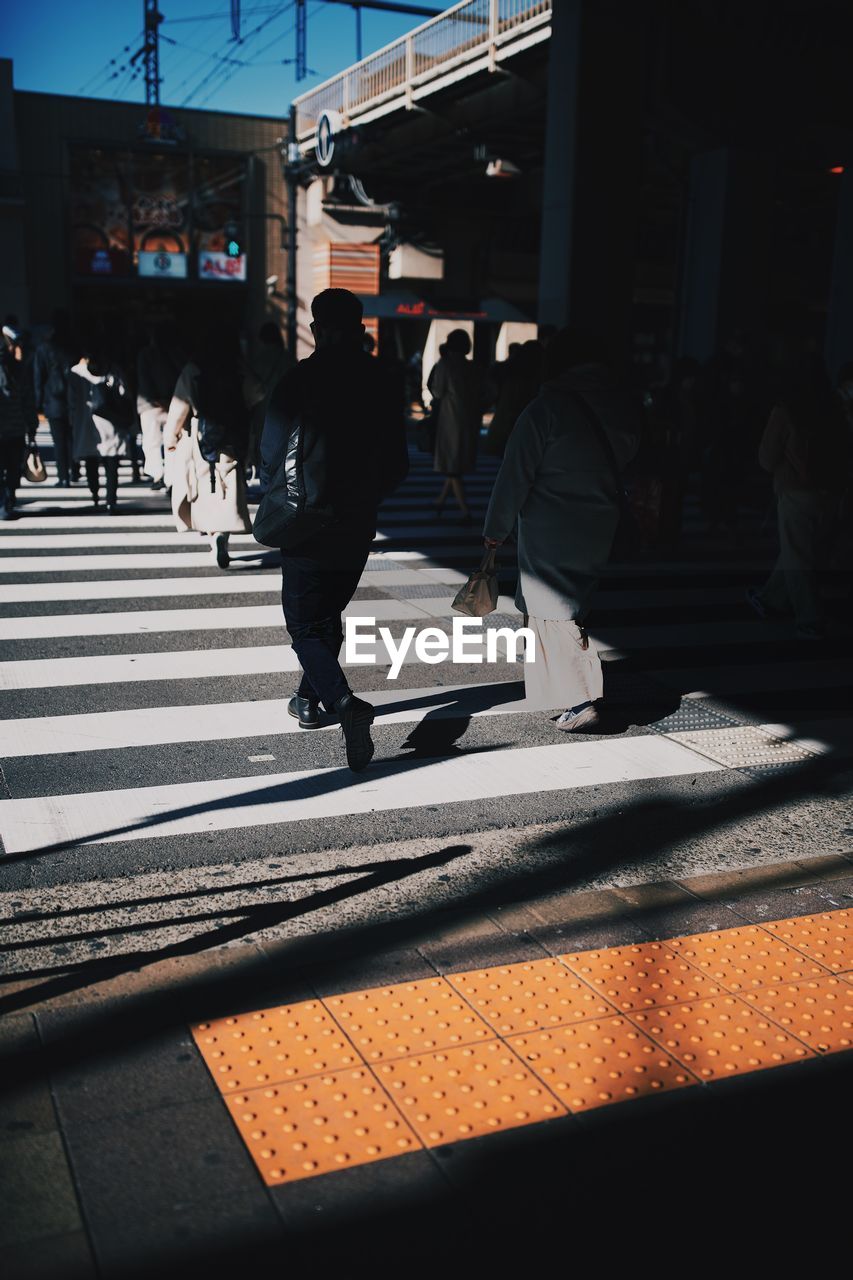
(587, 465)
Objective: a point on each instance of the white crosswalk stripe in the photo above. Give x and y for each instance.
(186, 808)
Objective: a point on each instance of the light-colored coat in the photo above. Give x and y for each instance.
(557, 483)
(209, 500)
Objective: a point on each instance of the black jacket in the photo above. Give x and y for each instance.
(18, 416)
(350, 398)
(50, 375)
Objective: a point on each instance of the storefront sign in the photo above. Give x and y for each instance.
(162, 264)
(219, 266)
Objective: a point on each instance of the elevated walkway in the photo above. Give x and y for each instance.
(473, 37)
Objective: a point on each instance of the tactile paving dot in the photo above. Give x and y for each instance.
(742, 746)
(819, 1012)
(523, 997)
(740, 959)
(827, 938)
(314, 1126)
(271, 1045)
(642, 976)
(464, 1093)
(409, 1018)
(720, 1037)
(596, 1063)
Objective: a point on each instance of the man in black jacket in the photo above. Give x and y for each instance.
(53, 360)
(353, 404)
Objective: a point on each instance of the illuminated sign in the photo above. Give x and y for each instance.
(162, 264)
(220, 266)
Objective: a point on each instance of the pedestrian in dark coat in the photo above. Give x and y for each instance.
(18, 418)
(458, 389)
(52, 366)
(100, 411)
(354, 410)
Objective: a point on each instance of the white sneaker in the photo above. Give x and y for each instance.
(570, 721)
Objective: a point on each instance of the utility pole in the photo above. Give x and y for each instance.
(301, 41)
(151, 53)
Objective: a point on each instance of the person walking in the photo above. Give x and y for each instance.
(18, 417)
(157, 367)
(101, 414)
(459, 397)
(270, 362)
(52, 364)
(805, 449)
(354, 410)
(207, 431)
(558, 483)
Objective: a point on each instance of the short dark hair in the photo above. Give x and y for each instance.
(458, 341)
(337, 309)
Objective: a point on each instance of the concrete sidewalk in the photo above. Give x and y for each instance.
(120, 1154)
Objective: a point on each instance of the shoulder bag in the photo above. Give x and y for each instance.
(295, 505)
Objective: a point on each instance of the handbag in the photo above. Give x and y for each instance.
(295, 506)
(479, 595)
(35, 470)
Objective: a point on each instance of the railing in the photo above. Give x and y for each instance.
(469, 28)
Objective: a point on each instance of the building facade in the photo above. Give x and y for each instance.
(124, 215)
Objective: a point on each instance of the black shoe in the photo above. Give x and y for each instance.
(356, 718)
(112, 508)
(305, 710)
(158, 484)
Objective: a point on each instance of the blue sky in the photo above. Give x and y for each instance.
(62, 47)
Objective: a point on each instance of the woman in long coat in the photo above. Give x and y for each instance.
(206, 439)
(101, 414)
(458, 391)
(558, 483)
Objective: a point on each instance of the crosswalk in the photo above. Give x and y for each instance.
(143, 691)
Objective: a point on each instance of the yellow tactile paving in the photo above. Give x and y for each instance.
(740, 959)
(596, 1063)
(326, 1122)
(368, 1075)
(465, 1092)
(827, 938)
(721, 1037)
(271, 1045)
(819, 1012)
(642, 976)
(408, 1018)
(515, 998)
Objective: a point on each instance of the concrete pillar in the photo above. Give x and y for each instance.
(839, 325)
(14, 293)
(593, 158)
(725, 257)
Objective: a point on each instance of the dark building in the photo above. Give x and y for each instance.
(124, 214)
(673, 172)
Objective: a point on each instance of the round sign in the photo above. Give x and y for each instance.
(328, 125)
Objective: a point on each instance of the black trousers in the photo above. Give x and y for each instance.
(66, 467)
(319, 579)
(110, 466)
(11, 466)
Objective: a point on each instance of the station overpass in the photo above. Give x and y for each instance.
(472, 38)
